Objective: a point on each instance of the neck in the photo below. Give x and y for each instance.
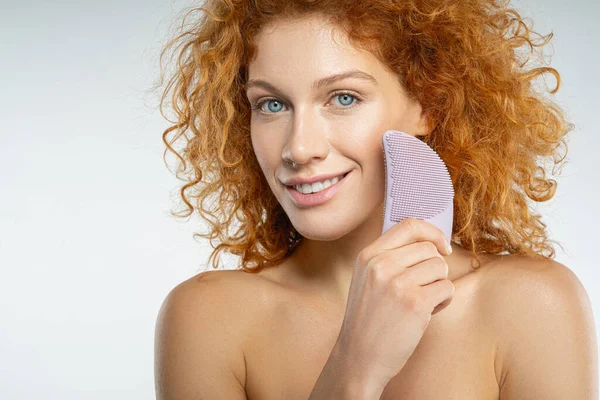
(327, 266)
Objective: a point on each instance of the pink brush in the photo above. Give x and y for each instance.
(417, 183)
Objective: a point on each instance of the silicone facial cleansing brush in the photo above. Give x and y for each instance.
(417, 183)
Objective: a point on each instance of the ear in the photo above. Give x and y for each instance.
(422, 127)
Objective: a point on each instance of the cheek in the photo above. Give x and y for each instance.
(364, 144)
(366, 132)
(259, 144)
(266, 151)
(259, 149)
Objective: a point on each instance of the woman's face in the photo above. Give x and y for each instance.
(325, 129)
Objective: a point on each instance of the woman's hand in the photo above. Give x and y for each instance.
(399, 282)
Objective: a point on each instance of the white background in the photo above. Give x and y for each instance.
(88, 250)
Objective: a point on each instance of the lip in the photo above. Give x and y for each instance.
(298, 180)
(309, 200)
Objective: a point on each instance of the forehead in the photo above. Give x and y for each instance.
(307, 47)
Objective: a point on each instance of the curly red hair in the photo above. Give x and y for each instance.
(459, 58)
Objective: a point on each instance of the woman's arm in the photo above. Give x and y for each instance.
(545, 333)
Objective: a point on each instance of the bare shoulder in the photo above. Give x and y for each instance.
(513, 282)
(224, 290)
(541, 319)
(200, 333)
(247, 291)
(232, 296)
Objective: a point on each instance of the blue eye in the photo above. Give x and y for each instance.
(346, 95)
(271, 101)
(347, 100)
(273, 110)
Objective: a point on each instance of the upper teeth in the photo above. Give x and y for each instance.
(317, 186)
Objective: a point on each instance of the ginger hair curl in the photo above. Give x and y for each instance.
(460, 59)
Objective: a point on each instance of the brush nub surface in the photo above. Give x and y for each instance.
(420, 186)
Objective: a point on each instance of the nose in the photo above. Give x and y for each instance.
(307, 138)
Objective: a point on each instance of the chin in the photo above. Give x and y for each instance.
(323, 231)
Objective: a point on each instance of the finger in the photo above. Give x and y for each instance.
(426, 272)
(441, 306)
(438, 292)
(409, 230)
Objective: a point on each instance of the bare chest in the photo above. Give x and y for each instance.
(454, 359)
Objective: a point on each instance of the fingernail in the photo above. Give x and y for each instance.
(448, 248)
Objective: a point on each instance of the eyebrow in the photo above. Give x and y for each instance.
(328, 80)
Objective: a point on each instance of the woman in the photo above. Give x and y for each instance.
(323, 305)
